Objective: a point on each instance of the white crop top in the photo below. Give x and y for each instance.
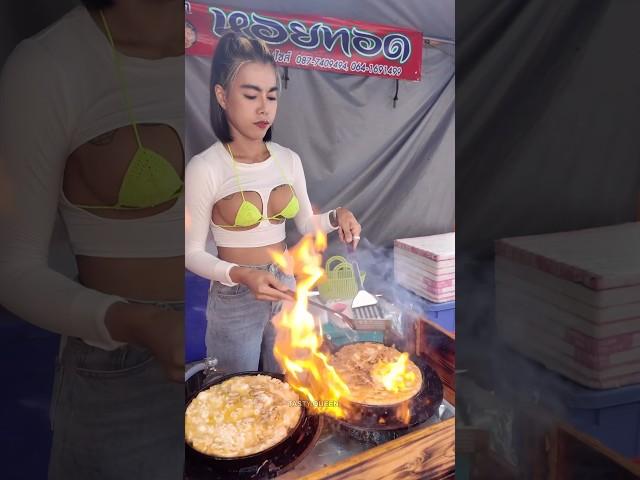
(58, 90)
(210, 176)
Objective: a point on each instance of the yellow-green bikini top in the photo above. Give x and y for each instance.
(249, 215)
(150, 179)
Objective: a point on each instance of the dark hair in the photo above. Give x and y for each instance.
(232, 52)
(98, 4)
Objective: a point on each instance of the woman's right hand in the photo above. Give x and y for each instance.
(264, 285)
(159, 330)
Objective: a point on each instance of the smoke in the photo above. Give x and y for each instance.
(497, 389)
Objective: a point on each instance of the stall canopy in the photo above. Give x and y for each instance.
(559, 125)
(394, 167)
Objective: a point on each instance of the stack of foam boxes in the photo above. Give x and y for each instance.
(427, 266)
(571, 301)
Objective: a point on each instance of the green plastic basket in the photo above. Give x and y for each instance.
(339, 282)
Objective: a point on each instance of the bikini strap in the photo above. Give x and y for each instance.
(281, 170)
(123, 82)
(235, 170)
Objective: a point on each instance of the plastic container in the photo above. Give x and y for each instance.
(197, 291)
(29, 355)
(611, 416)
(13, 329)
(444, 314)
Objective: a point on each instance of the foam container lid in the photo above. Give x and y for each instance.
(434, 247)
(599, 258)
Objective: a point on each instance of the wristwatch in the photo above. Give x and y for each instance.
(333, 217)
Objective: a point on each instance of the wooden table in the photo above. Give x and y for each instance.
(428, 453)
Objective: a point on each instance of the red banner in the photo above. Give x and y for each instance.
(311, 42)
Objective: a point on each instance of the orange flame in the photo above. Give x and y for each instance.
(394, 376)
(299, 336)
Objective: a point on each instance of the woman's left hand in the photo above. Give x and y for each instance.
(349, 228)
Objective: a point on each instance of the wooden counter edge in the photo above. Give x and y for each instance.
(441, 435)
(558, 450)
(439, 328)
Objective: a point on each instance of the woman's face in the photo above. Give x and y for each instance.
(190, 36)
(250, 102)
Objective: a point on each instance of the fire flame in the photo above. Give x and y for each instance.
(299, 336)
(394, 376)
(299, 340)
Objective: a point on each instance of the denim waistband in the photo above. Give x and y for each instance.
(266, 266)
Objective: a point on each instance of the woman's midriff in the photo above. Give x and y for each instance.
(150, 279)
(250, 256)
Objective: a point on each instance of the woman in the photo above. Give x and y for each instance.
(244, 187)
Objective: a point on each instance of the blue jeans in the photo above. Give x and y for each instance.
(239, 329)
(115, 415)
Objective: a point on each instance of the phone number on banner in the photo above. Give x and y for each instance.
(344, 66)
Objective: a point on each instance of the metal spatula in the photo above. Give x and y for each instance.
(345, 318)
(364, 304)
